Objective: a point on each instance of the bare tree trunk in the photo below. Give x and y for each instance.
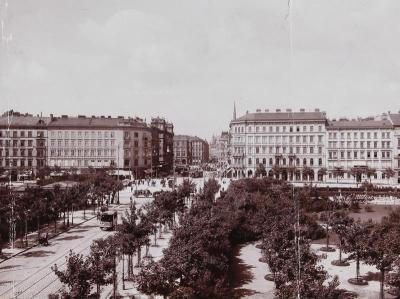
(382, 293)
(139, 253)
(26, 232)
(358, 267)
(38, 227)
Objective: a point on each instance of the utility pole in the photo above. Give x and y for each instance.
(118, 172)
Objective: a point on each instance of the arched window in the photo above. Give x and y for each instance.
(320, 161)
(264, 161)
(304, 161)
(271, 161)
(284, 161)
(298, 162)
(311, 161)
(277, 161)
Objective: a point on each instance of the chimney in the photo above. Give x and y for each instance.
(302, 110)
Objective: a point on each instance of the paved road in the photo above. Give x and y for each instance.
(28, 275)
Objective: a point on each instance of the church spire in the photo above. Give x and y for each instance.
(234, 110)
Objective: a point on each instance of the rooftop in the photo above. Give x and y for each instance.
(23, 121)
(282, 116)
(395, 118)
(359, 124)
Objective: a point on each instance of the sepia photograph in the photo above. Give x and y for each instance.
(200, 149)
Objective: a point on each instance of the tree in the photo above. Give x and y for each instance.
(101, 262)
(339, 226)
(277, 170)
(383, 249)
(389, 173)
(370, 172)
(338, 172)
(76, 276)
(357, 173)
(260, 171)
(355, 240)
(307, 172)
(322, 172)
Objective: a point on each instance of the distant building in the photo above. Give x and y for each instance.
(288, 140)
(182, 151)
(28, 143)
(307, 146)
(395, 119)
(23, 142)
(200, 151)
(219, 148)
(162, 145)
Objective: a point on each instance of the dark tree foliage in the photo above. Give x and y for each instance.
(197, 262)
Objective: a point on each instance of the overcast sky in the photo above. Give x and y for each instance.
(188, 61)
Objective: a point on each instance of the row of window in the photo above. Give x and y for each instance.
(363, 135)
(358, 155)
(362, 144)
(86, 134)
(15, 134)
(21, 152)
(22, 143)
(81, 153)
(279, 150)
(277, 129)
(82, 163)
(81, 142)
(284, 139)
(284, 161)
(20, 163)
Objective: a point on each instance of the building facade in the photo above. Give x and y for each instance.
(282, 143)
(82, 142)
(182, 151)
(363, 145)
(219, 148)
(395, 119)
(200, 151)
(28, 143)
(162, 146)
(23, 142)
(307, 146)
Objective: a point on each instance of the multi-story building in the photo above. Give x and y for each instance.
(200, 151)
(395, 119)
(162, 145)
(82, 142)
(23, 139)
(28, 143)
(182, 151)
(219, 148)
(288, 141)
(361, 144)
